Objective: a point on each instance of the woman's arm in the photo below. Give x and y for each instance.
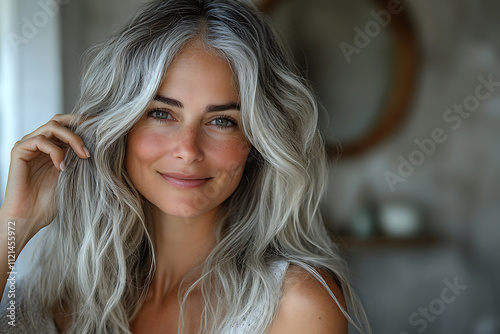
(307, 307)
(36, 161)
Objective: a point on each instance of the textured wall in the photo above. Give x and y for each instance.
(457, 186)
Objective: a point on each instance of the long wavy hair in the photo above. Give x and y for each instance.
(98, 255)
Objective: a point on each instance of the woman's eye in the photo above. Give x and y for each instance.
(160, 115)
(223, 122)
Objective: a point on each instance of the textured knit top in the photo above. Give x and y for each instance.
(42, 323)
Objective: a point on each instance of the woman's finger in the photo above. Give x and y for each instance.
(68, 119)
(31, 148)
(57, 130)
(65, 119)
(65, 135)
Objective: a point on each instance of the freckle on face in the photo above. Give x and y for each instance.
(189, 143)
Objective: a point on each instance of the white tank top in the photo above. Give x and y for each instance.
(279, 269)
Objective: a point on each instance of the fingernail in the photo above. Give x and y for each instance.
(87, 153)
(61, 166)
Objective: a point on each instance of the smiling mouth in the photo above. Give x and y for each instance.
(182, 181)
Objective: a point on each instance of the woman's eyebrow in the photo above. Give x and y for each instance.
(223, 107)
(209, 108)
(169, 101)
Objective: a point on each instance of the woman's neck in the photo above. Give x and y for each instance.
(181, 245)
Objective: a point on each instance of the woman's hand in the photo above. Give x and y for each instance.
(36, 161)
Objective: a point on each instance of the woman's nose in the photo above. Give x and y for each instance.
(187, 145)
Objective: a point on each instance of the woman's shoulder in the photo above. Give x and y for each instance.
(306, 306)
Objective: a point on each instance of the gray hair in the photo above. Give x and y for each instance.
(98, 256)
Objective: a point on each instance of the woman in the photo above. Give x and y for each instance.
(187, 186)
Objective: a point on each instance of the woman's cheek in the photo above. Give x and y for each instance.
(143, 150)
(232, 153)
(146, 145)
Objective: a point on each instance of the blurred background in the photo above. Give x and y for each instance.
(410, 111)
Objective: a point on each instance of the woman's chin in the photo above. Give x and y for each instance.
(184, 211)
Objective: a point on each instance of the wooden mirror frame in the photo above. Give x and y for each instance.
(395, 108)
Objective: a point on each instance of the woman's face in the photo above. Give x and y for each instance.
(187, 153)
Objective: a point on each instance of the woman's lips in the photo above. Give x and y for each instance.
(185, 181)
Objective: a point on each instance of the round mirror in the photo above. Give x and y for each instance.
(360, 56)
